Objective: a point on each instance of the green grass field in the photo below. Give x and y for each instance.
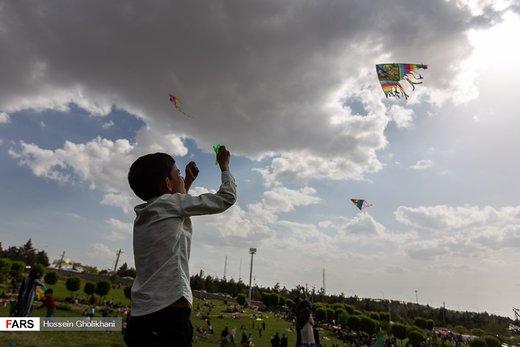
(218, 316)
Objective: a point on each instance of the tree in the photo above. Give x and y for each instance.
(103, 287)
(399, 331)
(374, 315)
(384, 317)
(478, 342)
(415, 338)
(17, 270)
(420, 322)
(51, 277)
(42, 258)
(343, 318)
(5, 268)
(89, 288)
(478, 332)
(321, 313)
(354, 323)
(492, 341)
(128, 292)
(368, 325)
(39, 267)
(241, 299)
(125, 271)
(72, 284)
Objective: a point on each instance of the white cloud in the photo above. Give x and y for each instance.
(461, 231)
(4, 118)
(402, 117)
(422, 164)
(107, 125)
(292, 89)
(119, 230)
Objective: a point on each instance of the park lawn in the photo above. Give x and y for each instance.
(219, 319)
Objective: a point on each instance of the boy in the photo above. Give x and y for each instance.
(161, 293)
(49, 302)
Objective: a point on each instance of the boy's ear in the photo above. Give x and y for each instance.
(166, 185)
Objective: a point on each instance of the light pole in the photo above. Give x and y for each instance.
(252, 251)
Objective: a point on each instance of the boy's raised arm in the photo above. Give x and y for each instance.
(192, 171)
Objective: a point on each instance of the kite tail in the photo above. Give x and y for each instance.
(402, 91)
(412, 83)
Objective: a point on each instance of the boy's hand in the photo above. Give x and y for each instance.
(223, 156)
(192, 171)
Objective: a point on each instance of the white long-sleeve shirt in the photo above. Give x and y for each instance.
(162, 244)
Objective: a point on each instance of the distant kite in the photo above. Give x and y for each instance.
(361, 204)
(390, 74)
(177, 104)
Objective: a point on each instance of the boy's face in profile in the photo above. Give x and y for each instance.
(176, 181)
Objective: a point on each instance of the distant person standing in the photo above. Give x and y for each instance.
(49, 302)
(305, 324)
(27, 294)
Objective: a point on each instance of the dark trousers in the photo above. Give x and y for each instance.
(170, 326)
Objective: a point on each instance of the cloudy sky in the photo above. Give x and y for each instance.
(290, 88)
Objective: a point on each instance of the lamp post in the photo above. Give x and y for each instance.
(252, 251)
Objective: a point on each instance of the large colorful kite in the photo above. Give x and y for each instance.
(361, 204)
(177, 104)
(391, 74)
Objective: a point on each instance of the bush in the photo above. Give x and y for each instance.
(368, 325)
(51, 277)
(374, 315)
(330, 314)
(478, 342)
(40, 268)
(343, 318)
(72, 284)
(354, 323)
(415, 338)
(399, 331)
(384, 317)
(5, 268)
(349, 308)
(492, 341)
(478, 332)
(420, 322)
(128, 292)
(89, 288)
(103, 287)
(17, 270)
(241, 299)
(321, 313)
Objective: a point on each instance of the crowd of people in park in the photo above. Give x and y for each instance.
(302, 332)
(32, 295)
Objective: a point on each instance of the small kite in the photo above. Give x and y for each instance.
(176, 103)
(217, 149)
(40, 292)
(390, 74)
(361, 204)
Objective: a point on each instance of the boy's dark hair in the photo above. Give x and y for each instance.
(49, 291)
(147, 172)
